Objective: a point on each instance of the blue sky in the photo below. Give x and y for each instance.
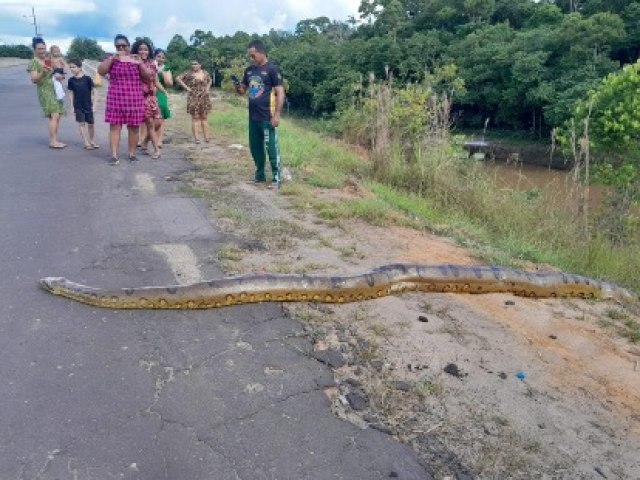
(60, 21)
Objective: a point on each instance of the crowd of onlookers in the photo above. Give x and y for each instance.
(136, 95)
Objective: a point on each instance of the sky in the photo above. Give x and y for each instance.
(59, 21)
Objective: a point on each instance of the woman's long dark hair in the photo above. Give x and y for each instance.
(35, 41)
(136, 46)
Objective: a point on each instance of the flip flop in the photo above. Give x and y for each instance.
(156, 156)
(59, 146)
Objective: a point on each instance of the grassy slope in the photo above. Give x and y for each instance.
(499, 226)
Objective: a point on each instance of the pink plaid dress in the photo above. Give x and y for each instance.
(125, 100)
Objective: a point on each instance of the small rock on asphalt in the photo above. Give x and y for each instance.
(331, 357)
(357, 401)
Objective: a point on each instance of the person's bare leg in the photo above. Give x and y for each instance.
(151, 134)
(194, 127)
(114, 139)
(91, 128)
(54, 123)
(143, 136)
(85, 137)
(58, 118)
(132, 134)
(205, 127)
(160, 131)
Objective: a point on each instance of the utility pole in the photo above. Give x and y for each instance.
(35, 23)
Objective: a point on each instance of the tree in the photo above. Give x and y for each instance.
(85, 48)
(611, 117)
(313, 25)
(479, 10)
(17, 51)
(178, 54)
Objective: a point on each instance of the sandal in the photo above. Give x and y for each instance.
(156, 155)
(58, 146)
(197, 140)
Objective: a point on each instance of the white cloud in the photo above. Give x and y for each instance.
(45, 8)
(126, 14)
(304, 9)
(102, 19)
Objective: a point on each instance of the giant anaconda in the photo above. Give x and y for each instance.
(379, 282)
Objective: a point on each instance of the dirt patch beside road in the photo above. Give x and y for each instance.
(13, 62)
(490, 386)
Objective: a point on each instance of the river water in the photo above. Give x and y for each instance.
(560, 184)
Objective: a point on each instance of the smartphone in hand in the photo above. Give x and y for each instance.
(235, 79)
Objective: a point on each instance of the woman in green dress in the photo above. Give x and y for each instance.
(166, 79)
(40, 71)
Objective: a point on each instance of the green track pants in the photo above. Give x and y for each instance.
(261, 135)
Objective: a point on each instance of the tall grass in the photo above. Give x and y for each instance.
(532, 225)
(414, 168)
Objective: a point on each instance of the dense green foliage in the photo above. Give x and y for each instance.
(15, 51)
(524, 62)
(85, 49)
(609, 121)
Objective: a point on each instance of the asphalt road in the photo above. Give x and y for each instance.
(88, 393)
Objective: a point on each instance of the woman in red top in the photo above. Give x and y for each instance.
(125, 97)
(152, 116)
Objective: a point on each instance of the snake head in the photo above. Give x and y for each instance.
(53, 284)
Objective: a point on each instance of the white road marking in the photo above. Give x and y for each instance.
(182, 260)
(144, 182)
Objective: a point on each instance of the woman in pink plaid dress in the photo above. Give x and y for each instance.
(125, 98)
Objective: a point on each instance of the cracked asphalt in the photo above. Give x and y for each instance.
(88, 393)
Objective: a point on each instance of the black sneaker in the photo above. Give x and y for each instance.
(114, 161)
(133, 158)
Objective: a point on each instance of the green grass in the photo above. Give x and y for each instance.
(444, 193)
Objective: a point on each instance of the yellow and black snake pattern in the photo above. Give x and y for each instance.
(379, 282)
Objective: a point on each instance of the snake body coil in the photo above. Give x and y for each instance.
(379, 282)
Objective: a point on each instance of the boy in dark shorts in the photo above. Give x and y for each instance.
(83, 94)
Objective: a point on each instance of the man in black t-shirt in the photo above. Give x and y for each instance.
(82, 93)
(263, 83)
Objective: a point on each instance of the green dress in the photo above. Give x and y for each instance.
(163, 101)
(46, 93)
